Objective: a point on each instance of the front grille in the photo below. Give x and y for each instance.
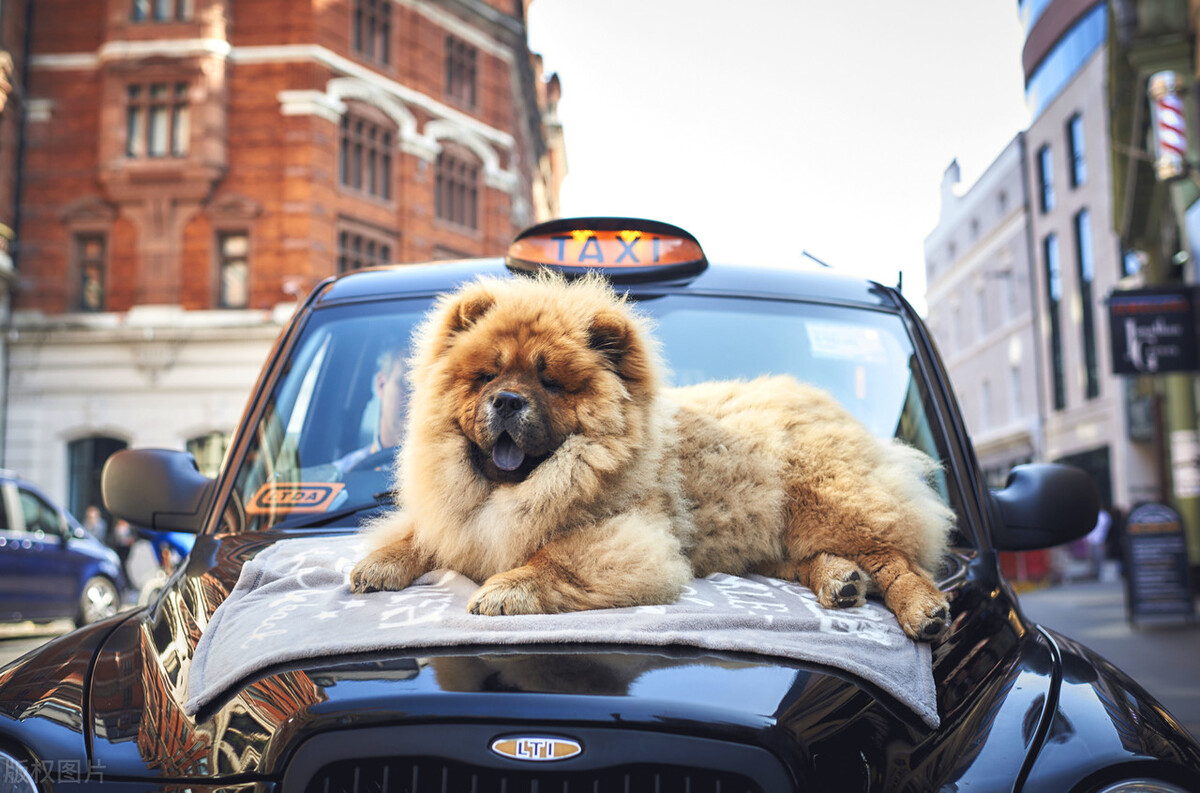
(427, 775)
(457, 758)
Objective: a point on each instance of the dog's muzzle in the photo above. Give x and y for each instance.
(508, 412)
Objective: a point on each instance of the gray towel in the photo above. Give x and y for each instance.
(293, 602)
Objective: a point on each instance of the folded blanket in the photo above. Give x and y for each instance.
(293, 602)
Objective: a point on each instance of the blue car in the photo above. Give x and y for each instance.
(50, 567)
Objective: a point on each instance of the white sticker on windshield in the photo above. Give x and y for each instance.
(845, 342)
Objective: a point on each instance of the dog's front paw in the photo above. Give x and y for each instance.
(925, 616)
(507, 594)
(381, 571)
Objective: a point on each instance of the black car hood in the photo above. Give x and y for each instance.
(142, 730)
(139, 686)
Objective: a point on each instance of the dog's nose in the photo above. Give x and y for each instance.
(508, 404)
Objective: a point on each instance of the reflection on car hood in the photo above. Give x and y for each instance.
(258, 729)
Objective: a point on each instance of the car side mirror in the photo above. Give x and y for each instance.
(1042, 505)
(161, 489)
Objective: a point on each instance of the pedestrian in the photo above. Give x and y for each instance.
(122, 541)
(1115, 542)
(94, 522)
(1097, 541)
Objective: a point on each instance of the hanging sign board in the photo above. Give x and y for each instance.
(1153, 331)
(1157, 586)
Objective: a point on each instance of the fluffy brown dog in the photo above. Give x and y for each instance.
(545, 459)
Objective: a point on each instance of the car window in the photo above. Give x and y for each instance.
(312, 450)
(860, 356)
(40, 517)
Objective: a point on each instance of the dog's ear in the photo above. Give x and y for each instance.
(614, 336)
(456, 313)
(469, 309)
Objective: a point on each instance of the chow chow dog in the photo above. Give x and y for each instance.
(545, 458)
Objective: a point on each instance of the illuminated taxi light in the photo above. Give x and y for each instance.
(622, 247)
(605, 249)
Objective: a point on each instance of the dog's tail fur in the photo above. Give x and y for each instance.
(912, 474)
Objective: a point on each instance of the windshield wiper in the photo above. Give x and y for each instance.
(315, 519)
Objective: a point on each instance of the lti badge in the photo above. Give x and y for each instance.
(536, 748)
(1153, 331)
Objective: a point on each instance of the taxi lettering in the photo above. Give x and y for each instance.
(621, 249)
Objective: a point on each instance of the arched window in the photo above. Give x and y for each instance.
(367, 140)
(456, 187)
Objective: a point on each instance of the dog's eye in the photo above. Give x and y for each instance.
(485, 377)
(551, 384)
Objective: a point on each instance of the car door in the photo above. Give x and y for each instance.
(43, 573)
(20, 567)
(15, 550)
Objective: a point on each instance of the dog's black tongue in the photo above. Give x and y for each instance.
(507, 455)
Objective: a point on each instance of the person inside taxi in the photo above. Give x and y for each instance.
(388, 384)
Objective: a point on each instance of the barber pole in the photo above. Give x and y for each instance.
(1170, 130)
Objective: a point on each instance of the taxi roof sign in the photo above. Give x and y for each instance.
(623, 249)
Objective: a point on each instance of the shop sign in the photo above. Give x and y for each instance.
(1158, 589)
(1153, 331)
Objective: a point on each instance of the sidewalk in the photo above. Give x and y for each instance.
(1163, 660)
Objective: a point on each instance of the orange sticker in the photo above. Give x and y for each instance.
(275, 497)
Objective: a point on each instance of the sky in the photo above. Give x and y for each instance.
(768, 128)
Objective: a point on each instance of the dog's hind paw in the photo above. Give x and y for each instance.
(925, 617)
(841, 585)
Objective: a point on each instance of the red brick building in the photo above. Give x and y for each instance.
(191, 165)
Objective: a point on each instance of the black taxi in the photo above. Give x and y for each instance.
(190, 693)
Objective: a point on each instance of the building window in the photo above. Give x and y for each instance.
(1054, 295)
(373, 29)
(1015, 407)
(161, 10)
(1046, 178)
(1083, 245)
(365, 158)
(1075, 151)
(233, 269)
(157, 120)
(357, 250)
(85, 460)
(456, 191)
(1010, 293)
(460, 71)
(90, 255)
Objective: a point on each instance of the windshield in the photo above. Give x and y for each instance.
(323, 449)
